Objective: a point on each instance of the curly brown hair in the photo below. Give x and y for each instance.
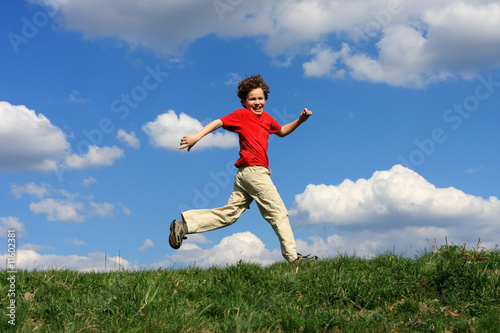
(251, 83)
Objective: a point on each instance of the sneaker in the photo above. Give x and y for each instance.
(301, 258)
(178, 231)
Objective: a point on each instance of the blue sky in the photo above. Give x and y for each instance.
(402, 145)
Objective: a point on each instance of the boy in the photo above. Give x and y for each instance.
(252, 181)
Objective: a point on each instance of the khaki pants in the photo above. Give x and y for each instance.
(251, 183)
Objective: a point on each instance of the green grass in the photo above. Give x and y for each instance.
(449, 291)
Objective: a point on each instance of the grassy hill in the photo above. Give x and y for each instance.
(451, 290)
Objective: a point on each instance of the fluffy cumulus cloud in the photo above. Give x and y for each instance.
(447, 39)
(60, 205)
(398, 194)
(11, 223)
(88, 181)
(38, 191)
(464, 36)
(128, 138)
(74, 241)
(148, 243)
(393, 204)
(59, 210)
(75, 98)
(68, 210)
(29, 141)
(243, 246)
(324, 63)
(35, 247)
(167, 130)
(102, 209)
(402, 60)
(417, 43)
(95, 158)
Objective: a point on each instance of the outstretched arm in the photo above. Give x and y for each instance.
(289, 128)
(190, 140)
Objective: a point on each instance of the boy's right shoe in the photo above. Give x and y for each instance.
(301, 258)
(178, 232)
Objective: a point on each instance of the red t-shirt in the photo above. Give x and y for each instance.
(253, 131)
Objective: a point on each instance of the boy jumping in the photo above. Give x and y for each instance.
(252, 181)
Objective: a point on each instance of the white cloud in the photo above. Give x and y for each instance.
(150, 24)
(324, 63)
(148, 243)
(197, 239)
(424, 41)
(371, 243)
(75, 98)
(243, 246)
(68, 210)
(61, 205)
(464, 36)
(88, 181)
(28, 141)
(129, 139)
(410, 241)
(473, 170)
(30, 260)
(96, 157)
(74, 241)
(38, 191)
(234, 79)
(126, 210)
(394, 201)
(457, 39)
(11, 223)
(35, 247)
(59, 210)
(168, 129)
(402, 60)
(167, 26)
(102, 209)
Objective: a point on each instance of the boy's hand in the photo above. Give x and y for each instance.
(289, 128)
(304, 115)
(188, 142)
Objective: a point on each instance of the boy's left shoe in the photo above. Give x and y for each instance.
(178, 232)
(301, 258)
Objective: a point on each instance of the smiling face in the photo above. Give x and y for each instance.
(255, 101)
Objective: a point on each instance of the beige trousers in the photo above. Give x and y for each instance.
(251, 183)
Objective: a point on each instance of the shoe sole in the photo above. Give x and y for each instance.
(172, 239)
(307, 258)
